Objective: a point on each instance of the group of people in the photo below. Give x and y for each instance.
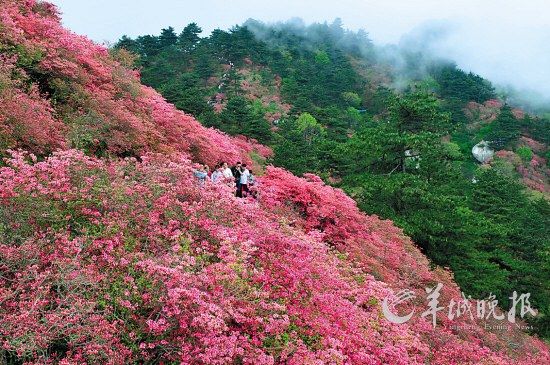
(239, 174)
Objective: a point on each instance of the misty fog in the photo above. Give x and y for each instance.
(516, 62)
(505, 41)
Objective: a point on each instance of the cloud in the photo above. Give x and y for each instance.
(503, 40)
(506, 54)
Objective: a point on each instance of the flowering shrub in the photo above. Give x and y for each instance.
(105, 109)
(115, 261)
(25, 118)
(493, 103)
(380, 249)
(534, 173)
(536, 146)
(518, 113)
(486, 112)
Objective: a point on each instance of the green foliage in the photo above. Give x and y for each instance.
(538, 128)
(167, 38)
(525, 153)
(523, 249)
(238, 117)
(354, 118)
(428, 85)
(189, 37)
(204, 68)
(419, 112)
(309, 128)
(322, 58)
(401, 169)
(259, 129)
(455, 83)
(351, 99)
(495, 196)
(504, 131)
(186, 94)
(300, 144)
(455, 107)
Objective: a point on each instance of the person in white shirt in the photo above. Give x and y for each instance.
(227, 173)
(217, 175)
(245, 176)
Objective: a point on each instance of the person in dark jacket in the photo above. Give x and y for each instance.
(236, 170)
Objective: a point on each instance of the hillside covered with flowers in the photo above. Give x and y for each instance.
(111, 253)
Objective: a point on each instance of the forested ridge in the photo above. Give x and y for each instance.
(114, 250)
(394, 131)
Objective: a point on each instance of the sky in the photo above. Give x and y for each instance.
(506, 41)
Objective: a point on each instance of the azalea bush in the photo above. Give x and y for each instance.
(115, 261)
(59, 89)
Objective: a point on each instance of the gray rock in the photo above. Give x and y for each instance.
(482, 152)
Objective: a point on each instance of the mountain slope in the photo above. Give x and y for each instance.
(394, 127)
(93, 103)
(110, 252)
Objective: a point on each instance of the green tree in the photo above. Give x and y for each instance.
(167, 38)
(128, 44)
(296, 150)
(455, 83)
(309, 128)
(233, 82)
(236, 115)
(204, 67)
(352, 99)
(505, 130)
(523, 247)
(149, 46)
(259, 129)
(525, 153)
(189, 37)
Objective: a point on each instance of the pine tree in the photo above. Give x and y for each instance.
(236, 115)
(204, 67)
(189, 37)
(505, 130)
(168, 37)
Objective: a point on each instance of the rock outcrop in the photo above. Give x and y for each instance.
(483, 152)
